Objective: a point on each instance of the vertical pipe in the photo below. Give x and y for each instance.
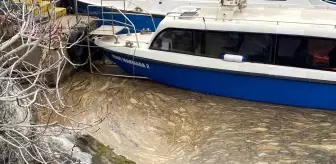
(125, 11)
(102, 12)
(76, 10)
(88, 39)
(89, 52)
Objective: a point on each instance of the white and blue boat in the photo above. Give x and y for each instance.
(281, 55)
(333, 2)
(144, 12)
(140, 12)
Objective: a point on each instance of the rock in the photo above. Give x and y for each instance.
(101, 153)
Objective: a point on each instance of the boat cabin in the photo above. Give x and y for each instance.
(297, 37)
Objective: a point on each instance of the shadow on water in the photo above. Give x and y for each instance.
(151, 123)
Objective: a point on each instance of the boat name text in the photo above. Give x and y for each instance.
(139, 64)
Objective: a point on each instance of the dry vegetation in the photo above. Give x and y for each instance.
(32, 50)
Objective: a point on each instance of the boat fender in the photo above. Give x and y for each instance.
(78, 53)
(233, 58)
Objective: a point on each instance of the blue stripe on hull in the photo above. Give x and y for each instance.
(139, 21)
(248, 87)
(330, 1)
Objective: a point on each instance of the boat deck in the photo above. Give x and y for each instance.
(107, 30)
(143, 39)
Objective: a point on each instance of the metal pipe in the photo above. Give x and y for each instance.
(76, 11)
(116, 75)
(136, 36)
(128, 30)
(116, 38)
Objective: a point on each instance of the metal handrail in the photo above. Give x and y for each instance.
(136, 36)
(129, 1)
(289, 5)
(257, 5)
(173, 14)
(236, 19)
(142, 10)
(113, 21)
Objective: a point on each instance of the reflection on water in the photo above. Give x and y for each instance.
(151, 123)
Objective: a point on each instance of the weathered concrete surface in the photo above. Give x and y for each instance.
(151, 123)
(101, 154)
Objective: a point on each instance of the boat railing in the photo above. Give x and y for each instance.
(327, 6)
(193, 2)
(114, 10)
(144, 12)
(112, 7)
(251, 20)
(258, 5)
(178, 15)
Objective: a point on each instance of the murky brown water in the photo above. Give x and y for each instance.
(151, 123)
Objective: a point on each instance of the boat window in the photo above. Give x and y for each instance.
(254, 47)
(174, 40)
(314, 53)
(257, 48)
(219, 43)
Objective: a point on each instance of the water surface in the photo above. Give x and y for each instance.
(152, 123)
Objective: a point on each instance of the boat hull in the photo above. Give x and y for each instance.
(139, 21)
(330, 1)
(231, 84)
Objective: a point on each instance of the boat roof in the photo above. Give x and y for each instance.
(160, 7)
(316, 21)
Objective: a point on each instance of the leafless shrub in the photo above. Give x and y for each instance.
(23, 87)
